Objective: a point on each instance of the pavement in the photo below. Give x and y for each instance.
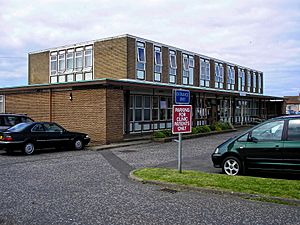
(92, 187)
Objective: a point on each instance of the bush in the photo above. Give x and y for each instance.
(206, 129)
(218, 128)
(159, 134)
(195, 130)
(168, 133)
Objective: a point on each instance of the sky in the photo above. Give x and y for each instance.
(259, 34)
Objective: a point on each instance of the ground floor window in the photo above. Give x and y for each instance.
(1, 103)
(149, 113)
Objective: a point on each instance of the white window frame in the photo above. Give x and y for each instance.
(254, 81)
(88, 68)
(70, 52)
(140, 64)
(2, 103)
(172, 66)
(248, 81)
(188, 64)
(204, 72)
(157, 63)
(52, 60)
(79, 50)
(61, 62)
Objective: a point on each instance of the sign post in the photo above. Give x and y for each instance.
(181, 123)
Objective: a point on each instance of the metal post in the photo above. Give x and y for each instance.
(180, 152)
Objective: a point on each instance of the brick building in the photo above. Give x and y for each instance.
(292, 104)
(123, 85)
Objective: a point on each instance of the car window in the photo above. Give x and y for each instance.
(243, 138)
(38, 128)
(26, 120)
(294, 130)
(51, 127)
(11, 120)
(19, 127)
(271, 131)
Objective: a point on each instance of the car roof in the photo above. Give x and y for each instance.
(11, 114)
(288, 117)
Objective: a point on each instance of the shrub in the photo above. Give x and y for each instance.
(206, 129)
(195, 130)
(168, 133)
(218, 128)
(159, 134)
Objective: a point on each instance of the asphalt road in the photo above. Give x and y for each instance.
(86, 187)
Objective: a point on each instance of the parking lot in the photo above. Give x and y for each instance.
(91, 187)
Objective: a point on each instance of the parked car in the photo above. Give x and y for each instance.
(271, 145)
(37, 135)
(9, 120)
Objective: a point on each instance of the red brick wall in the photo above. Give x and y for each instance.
(38, 68)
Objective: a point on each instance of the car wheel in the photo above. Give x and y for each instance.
(78, 144)
(28, 148)
(232, 166)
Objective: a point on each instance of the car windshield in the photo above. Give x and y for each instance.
(19, 127)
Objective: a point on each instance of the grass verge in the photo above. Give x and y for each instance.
(251, 185)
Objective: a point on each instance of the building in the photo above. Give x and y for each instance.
(119, 86)
(292, 104)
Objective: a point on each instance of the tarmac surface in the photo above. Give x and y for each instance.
(92, 187)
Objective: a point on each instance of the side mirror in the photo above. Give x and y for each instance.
(253, 139)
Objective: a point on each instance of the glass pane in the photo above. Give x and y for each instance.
(173, 61)
(155, 102)
(157, 76)
(70, 77)
(53, 79)
(147, 102)
(138, 101)
(88, 76)
(140, 74)
(137, 127)
(138, 115)
(141, 54)
(172, 79)
(62, 79)
(162, 114)
(269, 131)
(79, 77)
(294, 130)
(78, 61)
(131, 101)
(131, 114)
(158, 60)
(155, 114)
(146, 114)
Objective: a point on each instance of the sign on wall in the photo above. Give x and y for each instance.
(182, 97)
(182, 119)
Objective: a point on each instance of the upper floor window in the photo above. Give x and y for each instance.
(259, 83)
(219, 75)
(1, 103)
(157, 63)
(141, 60)
(241, 80)
(230, 77)
(74, 64)
(204, 72)
(248, 81)
(188, 69)
(172, 67)
(254, 81)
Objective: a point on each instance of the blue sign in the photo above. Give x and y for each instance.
(182, 97)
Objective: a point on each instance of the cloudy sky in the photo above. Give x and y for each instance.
(260, 34)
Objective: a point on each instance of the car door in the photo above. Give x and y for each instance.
(291, 152)
(265, 146)
(56, 135)
(39, 136)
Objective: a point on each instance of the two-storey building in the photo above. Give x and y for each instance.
(123, 85)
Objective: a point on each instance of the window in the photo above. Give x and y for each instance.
(78, 59)
(219, 75)
(74, 64)
(204, 72)
(1, 103)
(61, 62)
(173, 67)
(51, 127)
(230, 77)
(254, 81)
(141, 61)
(241, 80)
(259, 83)
(188, 69)
(248, 81)
(294, 130)
(38, 128)
(157, 63)
(271, 131)
(53, 63)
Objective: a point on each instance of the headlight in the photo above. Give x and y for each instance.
(216, 151)
(87, 136)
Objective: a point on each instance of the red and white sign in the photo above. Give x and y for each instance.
(182, 119)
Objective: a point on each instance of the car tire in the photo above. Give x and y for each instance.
(232, 166)
(78, 144)
(28, 148)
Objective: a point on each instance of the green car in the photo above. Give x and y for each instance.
(272, 145)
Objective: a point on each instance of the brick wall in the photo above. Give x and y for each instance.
(131, 58)
(149, 61)
(38, 68)
(114, 115)
(165, 62)
(110, 59)
(97, 112)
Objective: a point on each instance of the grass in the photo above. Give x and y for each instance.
(251, 185)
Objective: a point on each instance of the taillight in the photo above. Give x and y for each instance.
(7, 138)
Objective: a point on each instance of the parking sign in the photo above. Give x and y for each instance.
(182, 119)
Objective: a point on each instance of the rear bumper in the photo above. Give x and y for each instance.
(11, 144)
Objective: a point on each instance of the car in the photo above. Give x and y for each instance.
(9, 120)
(38, 135)
(271, 145)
